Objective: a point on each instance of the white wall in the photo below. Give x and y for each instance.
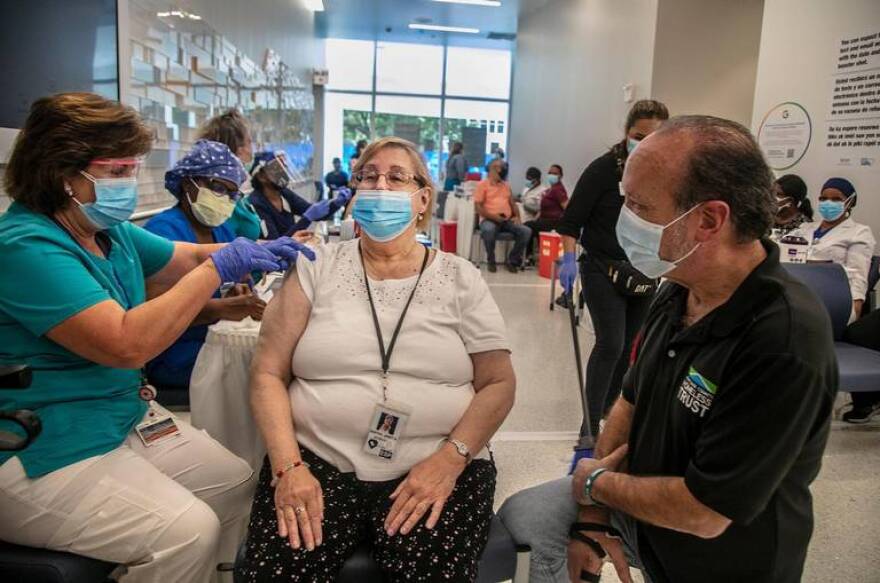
(572, 59)
(798, 54)
(706, 57)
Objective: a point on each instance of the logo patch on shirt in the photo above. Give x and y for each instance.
(697, 392)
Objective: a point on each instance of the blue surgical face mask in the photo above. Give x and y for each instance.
(831, 210)
(115, 201)
(632, 144)
(552, 178)
(383, 215)
(641, 239)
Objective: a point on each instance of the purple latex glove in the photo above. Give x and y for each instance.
(343, 195)
(318, 210)
(568, 272)
(237, 259)
(287, 250)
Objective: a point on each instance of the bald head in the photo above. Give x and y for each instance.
(693, 159)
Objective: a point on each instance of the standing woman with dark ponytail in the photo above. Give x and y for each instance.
(617, 311)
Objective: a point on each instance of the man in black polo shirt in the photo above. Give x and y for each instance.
(705, 461)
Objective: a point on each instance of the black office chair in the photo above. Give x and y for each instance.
(502, 560)
(20, 564)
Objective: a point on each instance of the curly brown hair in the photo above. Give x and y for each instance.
(63, 133)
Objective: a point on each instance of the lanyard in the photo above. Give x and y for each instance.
(386, 354)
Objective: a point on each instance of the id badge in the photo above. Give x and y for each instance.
(157, 430)
(386, 428)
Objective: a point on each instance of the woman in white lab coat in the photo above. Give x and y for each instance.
(840, 239)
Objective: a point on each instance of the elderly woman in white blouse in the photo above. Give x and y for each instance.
(382, 371)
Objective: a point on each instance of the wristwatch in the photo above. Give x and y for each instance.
(461, 447)
(588, 487)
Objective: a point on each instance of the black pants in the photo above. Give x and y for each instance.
(865, 332)
(616, 320)
(538, 226)
(355, 511)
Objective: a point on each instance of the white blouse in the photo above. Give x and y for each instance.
(531, 200)
(850, 244)
(336, 364)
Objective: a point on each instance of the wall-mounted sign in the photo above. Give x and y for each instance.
(784, 135)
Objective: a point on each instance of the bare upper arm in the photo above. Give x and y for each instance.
(284, 321)
(95, 334)
(186, 257)
(492, 367)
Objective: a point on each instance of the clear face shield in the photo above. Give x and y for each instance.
(117, 167)
(278, 171)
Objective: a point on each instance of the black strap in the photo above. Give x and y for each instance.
(596, 527)
(597, 548)
(590, 577)
(386, 354)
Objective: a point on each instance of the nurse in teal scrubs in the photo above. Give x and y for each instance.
(205, 183)
(86, 299)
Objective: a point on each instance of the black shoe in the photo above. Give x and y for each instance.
(562, 301)
(492, 268)
(861, 414)
(512, 268)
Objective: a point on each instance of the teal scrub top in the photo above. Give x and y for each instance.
(86, 409)
(245, 222)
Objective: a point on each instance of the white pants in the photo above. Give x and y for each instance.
(169, 512)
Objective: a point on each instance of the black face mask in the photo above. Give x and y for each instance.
(502, 174)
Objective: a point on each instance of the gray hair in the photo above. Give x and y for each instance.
(725, 163)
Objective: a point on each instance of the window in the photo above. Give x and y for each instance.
(489, 115)
(409, 68)
(350, 63)
(402, 94)
(416, 119)
(346, 120)
(478, 73)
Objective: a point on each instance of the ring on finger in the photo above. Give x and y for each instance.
(299, 509)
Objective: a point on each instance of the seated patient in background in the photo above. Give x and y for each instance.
(205, 183)
(793, 207)
(387, 446)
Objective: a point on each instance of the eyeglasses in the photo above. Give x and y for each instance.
(218, 187)
(394, 178)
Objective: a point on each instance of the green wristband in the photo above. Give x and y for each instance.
(588, 487)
